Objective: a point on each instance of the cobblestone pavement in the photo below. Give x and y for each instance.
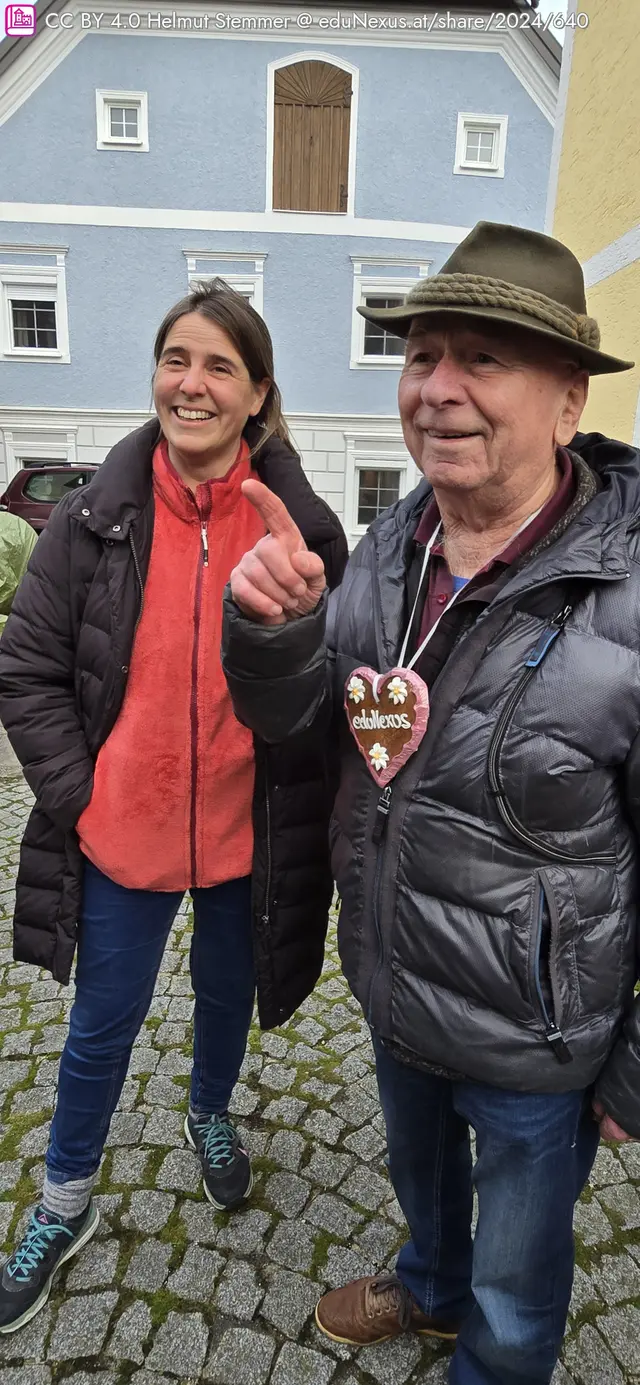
(169, 1290)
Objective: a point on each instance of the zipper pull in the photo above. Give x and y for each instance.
(560, 1048)
(549, 634)
(382, 813)
(205, 543)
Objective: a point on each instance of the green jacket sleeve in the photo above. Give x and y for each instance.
(17, 542)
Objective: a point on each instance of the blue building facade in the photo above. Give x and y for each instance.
(137, 157)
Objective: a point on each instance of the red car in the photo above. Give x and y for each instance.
(34, 492)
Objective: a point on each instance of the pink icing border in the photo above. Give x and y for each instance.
(384, 776)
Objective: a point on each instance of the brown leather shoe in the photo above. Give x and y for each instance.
(373, 1310)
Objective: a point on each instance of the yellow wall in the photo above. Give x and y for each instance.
(613, 399)
(599, 178)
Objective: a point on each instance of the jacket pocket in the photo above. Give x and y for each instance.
(553, 975)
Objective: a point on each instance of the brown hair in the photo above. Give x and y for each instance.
(250, 335)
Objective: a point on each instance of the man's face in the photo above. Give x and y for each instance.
(478, 403)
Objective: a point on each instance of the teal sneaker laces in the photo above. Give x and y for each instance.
(33, 1247)
(218, 1138)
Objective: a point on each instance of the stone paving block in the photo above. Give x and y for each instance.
(391, 1363)
(164, 1128)
(583, 1291)
(366, 1188)
(338, 1017)
(128, 1096)
(561, 1376)
(243, 1101)
(255, 1141)
(174, 1064)
(331, 990)
(301, 1053)
(149, 1266)
(333, 1214)
(377, 1239)
(607, 1169)
(327, 1167)
(129, 1165)
(163, 1091)
(125, 1129)
(590, 1361)
(289, 1303)
(9, 1174)
(288, 1193)
(150, 1211)
(36, 1141)
(630, 1156)
(292, 1245)
(47, 1072)
(617, 1279)
(81, 1326)
(199, 1221)
(310, 1031)
(355, 1107)
(323, 1091)
(352, 1069)
(180, 1170)
(17, 1043)
(53, 1039)
(252, 1065)
(286, 1149)
(94, 1378)
(196, 1276)
(27, 1375)
(343, 1264)
(590, 1224)
(171, 1035)
(131, 1330)
(277, 1077)
(143, 1060)
(7, 1210)
(623, 1200)
(12, 1071)
(621, 1328)
(274, 1045)
(299, 1366)
(95, 1266)
(286, 1110)
(182, 1338)
(28, 1343)
(243, 1357)
(244, 1232)
(239, 1291)
(323, 1126)
(367, 1143)
(34, 1099)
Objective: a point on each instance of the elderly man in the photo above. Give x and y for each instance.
(485, 839)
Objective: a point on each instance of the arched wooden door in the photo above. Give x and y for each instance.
(312, 119)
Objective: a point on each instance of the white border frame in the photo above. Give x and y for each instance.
(252, 280)
(104, 139)
(63, 450)
(384, 451)
(319, 56)
(378, 283)
(39, 281)
(496, 123)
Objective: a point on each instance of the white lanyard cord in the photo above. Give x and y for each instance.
(425, 564)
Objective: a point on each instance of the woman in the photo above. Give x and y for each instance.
(113, 696)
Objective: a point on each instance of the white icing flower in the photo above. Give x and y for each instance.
(379, 756)
(397, 691)
(356, 689)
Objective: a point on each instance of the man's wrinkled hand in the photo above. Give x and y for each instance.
(609, 1129)
(278, 580)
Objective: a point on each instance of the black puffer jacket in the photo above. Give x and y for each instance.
(64, 660)
(500, 911)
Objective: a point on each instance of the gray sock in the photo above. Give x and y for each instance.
(67, 1199)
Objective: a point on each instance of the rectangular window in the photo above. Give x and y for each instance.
(245, 273)
(51, 486)
(34, 324)
(377, 490)
(380, 284)
(481, 144)
(122, 120)
(33, 307)
(378, 341)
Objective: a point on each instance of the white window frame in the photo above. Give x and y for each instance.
(249, 282)
(34, 281)
(385, 452)
(104, 139)
(382, 284)
(18, 443)
(290, 60)
(497, 124)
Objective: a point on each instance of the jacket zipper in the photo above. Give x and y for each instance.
(552, 853)
(267, 890)
(383, 808)
(553, 1033)
(203, 562)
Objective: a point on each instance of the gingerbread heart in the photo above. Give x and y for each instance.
(387, 715)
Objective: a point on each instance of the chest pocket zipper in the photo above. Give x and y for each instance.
(544, 958)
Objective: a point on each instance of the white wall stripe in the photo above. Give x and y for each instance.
(561, 111)
(618, 255)
(181, 219)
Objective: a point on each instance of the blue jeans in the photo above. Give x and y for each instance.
(511, 1286)
(121, 940)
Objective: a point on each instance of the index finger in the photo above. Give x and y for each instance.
(275, 514)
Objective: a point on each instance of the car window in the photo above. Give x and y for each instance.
(50, 486)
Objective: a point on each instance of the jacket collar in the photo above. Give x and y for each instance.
(122, 488)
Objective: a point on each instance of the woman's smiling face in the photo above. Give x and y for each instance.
(203, 393)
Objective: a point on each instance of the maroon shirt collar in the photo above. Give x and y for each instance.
(538, 529)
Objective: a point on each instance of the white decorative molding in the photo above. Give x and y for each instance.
(176, 219)
(37, 250)
(139, 101)
(250, 284)
(558, 132)
(383, 449)
(618, 255)
(314, 55)
(382, 285)
(493, 124)
(18, 443)
(51, 45)
(35, 282)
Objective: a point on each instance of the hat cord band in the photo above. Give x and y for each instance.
(478, 290)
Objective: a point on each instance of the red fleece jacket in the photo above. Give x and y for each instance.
(173, 788)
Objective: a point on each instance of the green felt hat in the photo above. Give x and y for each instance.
(515, 276)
